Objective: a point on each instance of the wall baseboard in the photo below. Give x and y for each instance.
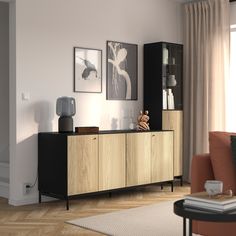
(30, 200)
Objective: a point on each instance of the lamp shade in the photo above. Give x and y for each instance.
(65, 106)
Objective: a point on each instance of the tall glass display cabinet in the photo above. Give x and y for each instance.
(163, 93)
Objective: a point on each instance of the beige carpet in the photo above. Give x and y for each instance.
(151, 220)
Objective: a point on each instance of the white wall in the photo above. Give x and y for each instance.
(46, 32)
(4, 82)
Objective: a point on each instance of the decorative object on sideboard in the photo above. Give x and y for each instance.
(87, 130)
(122, 73)
(127, 120)
(87, 70)
(132, 124)
(143, 121)
(65, 108)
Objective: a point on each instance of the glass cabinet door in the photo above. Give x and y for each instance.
(172, 55)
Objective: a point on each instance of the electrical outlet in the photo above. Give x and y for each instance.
(26, 188)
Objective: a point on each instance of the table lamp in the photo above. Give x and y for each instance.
(65, 108)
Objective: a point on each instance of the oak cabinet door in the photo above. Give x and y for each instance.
(173, 120)
(138, 158)
(162, 156)
(112, 161)
(82, 164)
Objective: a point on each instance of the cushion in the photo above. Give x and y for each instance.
(222, 160)
(233, 148)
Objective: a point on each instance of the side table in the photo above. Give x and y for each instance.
(201, 214)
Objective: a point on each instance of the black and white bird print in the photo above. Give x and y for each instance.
(89, 68)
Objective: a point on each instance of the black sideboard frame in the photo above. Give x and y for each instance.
(52, 167)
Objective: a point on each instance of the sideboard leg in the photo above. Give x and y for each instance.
(67, 203)
(110, 194)
(40, 199)
(161, 186)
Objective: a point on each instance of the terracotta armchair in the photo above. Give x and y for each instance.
(201, 170)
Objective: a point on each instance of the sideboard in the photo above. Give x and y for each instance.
(70, 164)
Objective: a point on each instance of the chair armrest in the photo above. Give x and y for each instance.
(201, 170)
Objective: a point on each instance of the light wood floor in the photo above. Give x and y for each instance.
(49, 218)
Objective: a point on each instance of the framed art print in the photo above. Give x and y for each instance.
(122, 75)
(87, 70)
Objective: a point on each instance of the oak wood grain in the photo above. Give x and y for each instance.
(162, 156)
(138, 158)
(173, 120)
(48, 218)
(82, 164)
(112, 161)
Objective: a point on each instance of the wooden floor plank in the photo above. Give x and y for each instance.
(49, 218)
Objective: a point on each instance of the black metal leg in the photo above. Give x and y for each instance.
(184, 226)
(110, 194)
(40, 199)
(161, 186)
(180, 178)
(190, 227)
(67, 203)
(172, 186)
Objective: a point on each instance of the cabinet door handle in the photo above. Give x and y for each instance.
(153, 135)
(94, 138)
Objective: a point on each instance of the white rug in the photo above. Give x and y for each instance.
(151, 220)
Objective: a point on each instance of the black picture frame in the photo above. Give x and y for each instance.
(122, 71)
(87, 70)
